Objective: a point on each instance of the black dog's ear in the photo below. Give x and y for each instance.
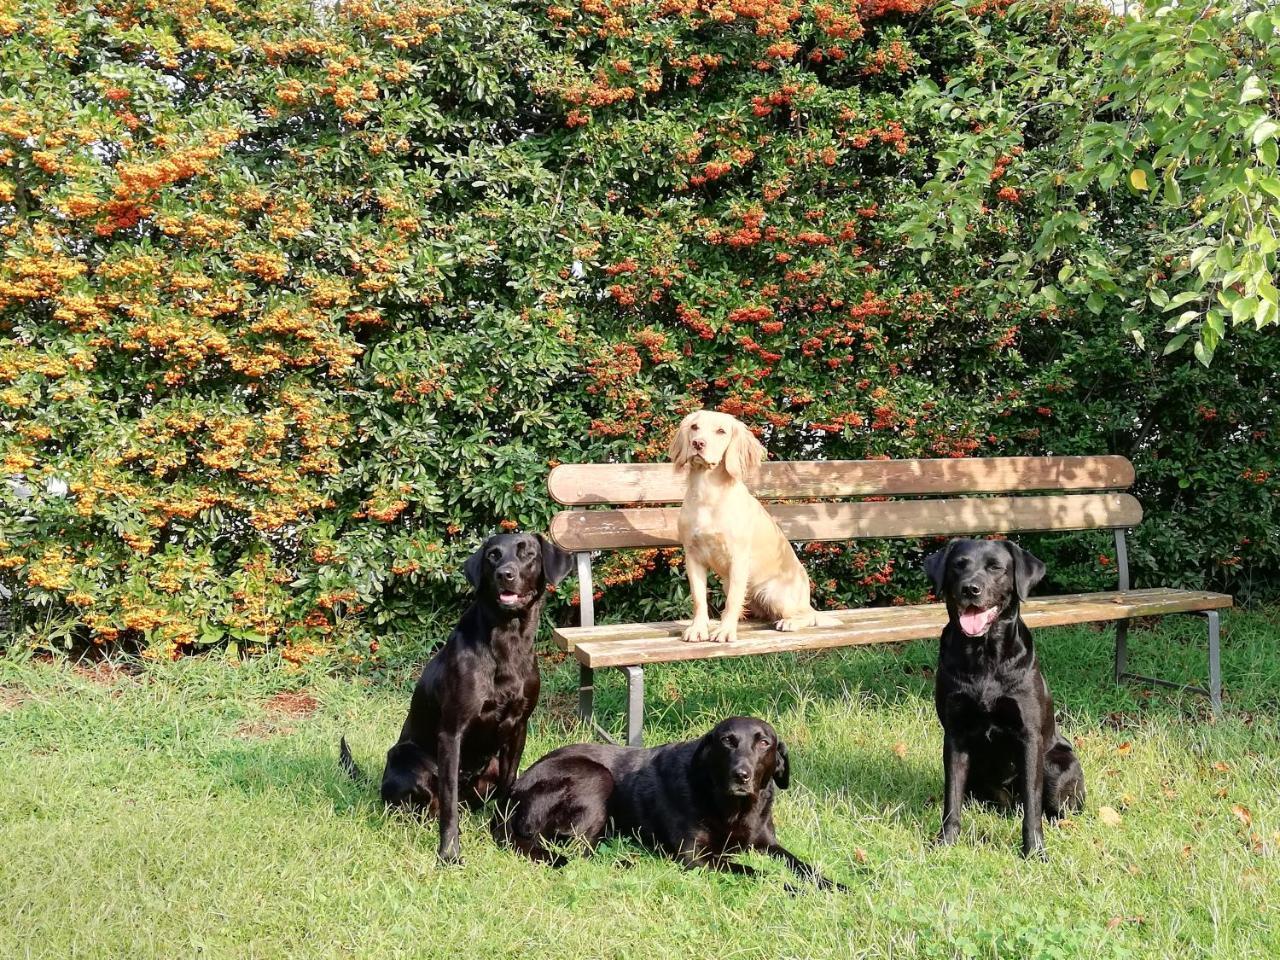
(556, 563)
(1027, 569)
(704, 746)
(935, 567)
(473, 568)
(782, 766)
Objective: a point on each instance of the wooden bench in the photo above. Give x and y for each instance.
(956, 497)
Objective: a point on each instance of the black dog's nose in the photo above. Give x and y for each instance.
(969, 590)
(506, 574)
(742, 774)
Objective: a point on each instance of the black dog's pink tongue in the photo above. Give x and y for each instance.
(975, 621)
(507, 597)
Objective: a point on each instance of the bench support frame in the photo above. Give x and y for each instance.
(586, 675)
(635, 674)
(1214, 691)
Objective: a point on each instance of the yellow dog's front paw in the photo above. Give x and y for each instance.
(788, 624)
(725, 632)
(696, 632)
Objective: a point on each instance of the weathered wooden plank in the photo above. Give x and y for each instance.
(656, 526)
(566, 638)
(922, 622)
(580, 484)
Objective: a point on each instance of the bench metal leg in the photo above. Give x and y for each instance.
(586, 693)
(635, 706)
(1122, 649)
(1214, 691)
(1215, 665)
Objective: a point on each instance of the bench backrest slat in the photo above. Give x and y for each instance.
(656, 526)
(581, 484)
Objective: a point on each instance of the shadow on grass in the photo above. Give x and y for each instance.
(289, 767)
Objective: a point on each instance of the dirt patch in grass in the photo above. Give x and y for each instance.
(11, 698)
(561, 705)
(263, 730)
(293, 704)
(280, 709)
(105, 673)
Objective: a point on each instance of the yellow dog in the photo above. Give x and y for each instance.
(726, 530)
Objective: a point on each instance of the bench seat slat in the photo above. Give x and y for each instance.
(656, 526)
(567, 637)
(867, 626)
(581, 484)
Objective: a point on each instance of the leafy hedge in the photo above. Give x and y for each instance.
(298, 303)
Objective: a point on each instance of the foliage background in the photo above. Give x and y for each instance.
(298, 303)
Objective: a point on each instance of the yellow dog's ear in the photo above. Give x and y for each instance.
(744, 452)
(679, 451)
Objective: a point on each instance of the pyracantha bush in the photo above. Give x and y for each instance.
(298, 303)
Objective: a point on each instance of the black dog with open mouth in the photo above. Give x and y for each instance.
(469, 715)
(1000, 740)
(698, 801)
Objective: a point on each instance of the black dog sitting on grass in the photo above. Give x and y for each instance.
(469, 714)
(1000, 739)
(699, 801)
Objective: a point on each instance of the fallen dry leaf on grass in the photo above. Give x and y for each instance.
(1222, 766)
(1242, 814)
(1116, 921)
(1124, 747)
(1109, 816)
(900, 748)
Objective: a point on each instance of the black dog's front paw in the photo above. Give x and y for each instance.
(1034, 849)
(450, 855)
(946, 836)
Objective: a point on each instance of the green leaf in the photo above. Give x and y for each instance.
(1203, 354)
(1266, 130)
(1185, 297)
(1254, 89)
(1214, 321)
(1138, 179)
(1271, 185)
(1260, 25)
(1175, 344)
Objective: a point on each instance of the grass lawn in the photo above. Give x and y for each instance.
(197, 810)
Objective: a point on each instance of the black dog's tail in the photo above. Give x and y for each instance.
(348, 762)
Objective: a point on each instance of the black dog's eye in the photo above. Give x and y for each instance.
(764, 742)
(729, 741)
(495, 556)
(994, 565)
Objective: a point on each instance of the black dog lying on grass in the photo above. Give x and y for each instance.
(699, 801)
(470, 710)
(1000, 740)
